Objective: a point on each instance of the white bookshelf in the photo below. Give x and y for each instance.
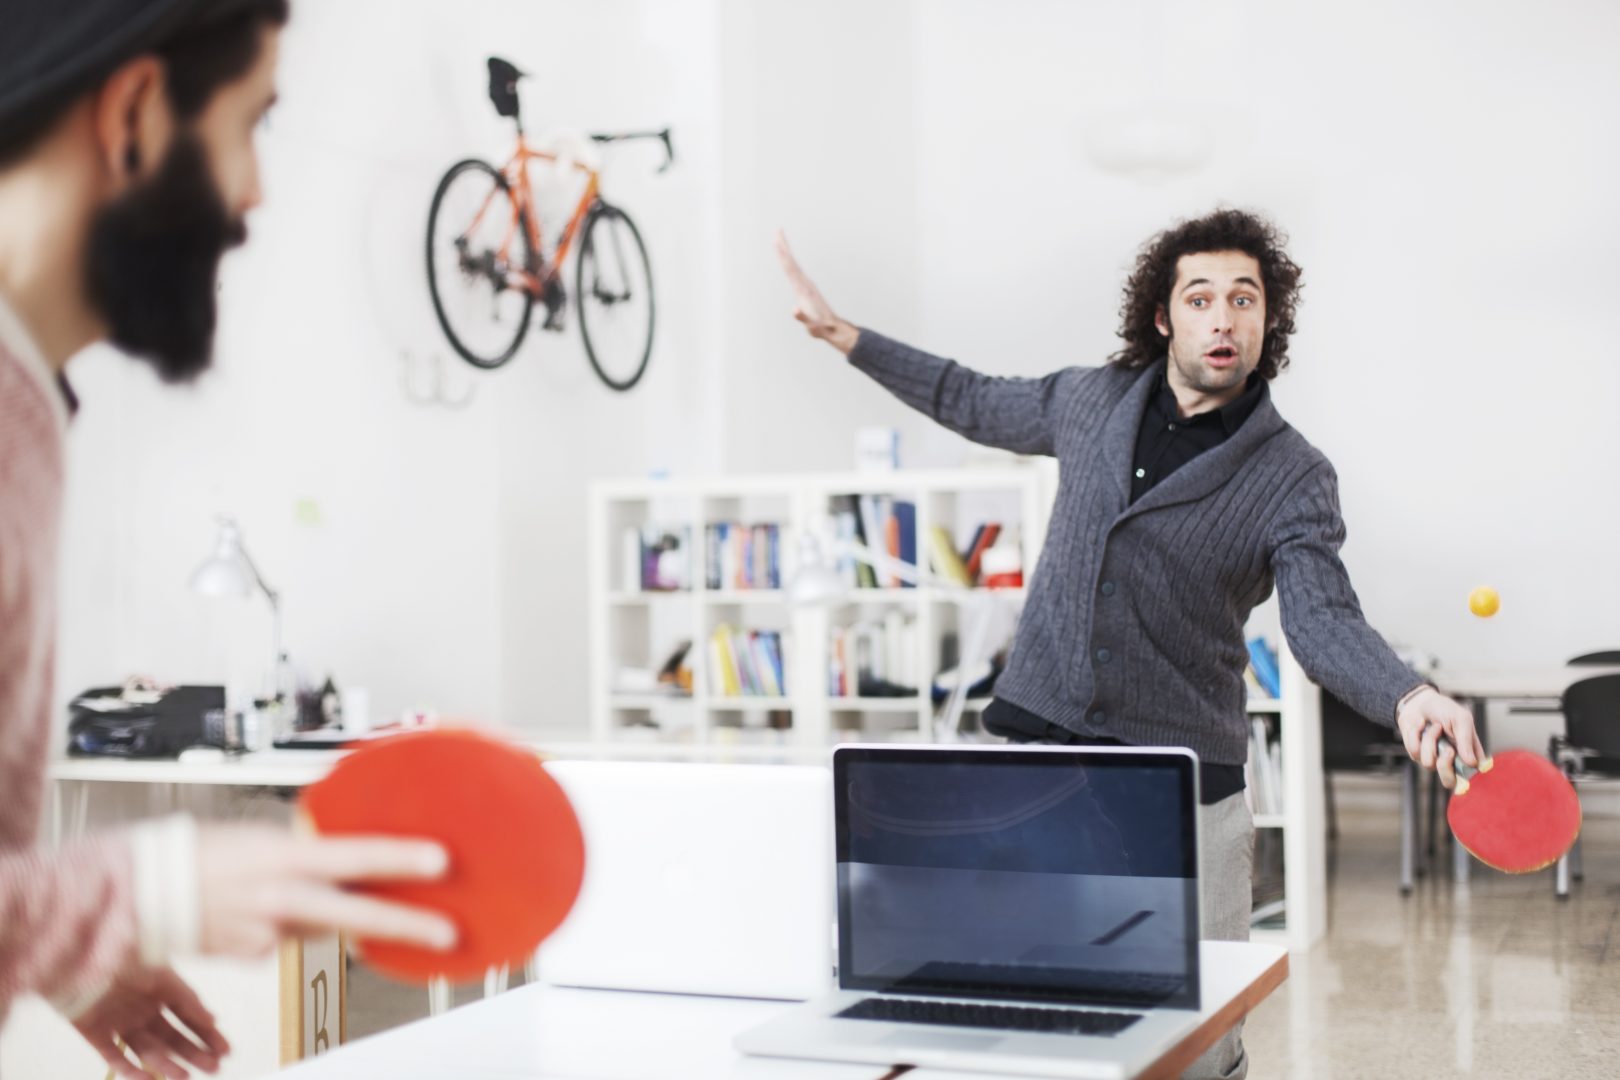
(630, 628)
(1302, 820)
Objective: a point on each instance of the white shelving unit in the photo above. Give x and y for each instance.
(1303, 817)
(629, 628)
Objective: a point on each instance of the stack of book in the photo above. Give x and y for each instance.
(882, 524)
(963, 567)
(738, 556)
(874, 658)
(1263, 772)
(747, 663)
(888, 526)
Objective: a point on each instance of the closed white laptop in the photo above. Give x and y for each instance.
(1028, 910)
(699, 879)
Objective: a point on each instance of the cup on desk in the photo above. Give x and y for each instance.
(356, 710)
(223, 728)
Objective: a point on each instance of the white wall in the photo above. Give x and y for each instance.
(445, 567)
(1443, 173)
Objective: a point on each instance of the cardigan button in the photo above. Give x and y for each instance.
(1103, 656)
(1099, 718)
(1107, 588)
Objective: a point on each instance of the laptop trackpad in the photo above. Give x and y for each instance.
(932, 1040)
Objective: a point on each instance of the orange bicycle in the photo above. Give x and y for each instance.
(488, 263)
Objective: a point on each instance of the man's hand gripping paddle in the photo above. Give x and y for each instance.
(517, 856)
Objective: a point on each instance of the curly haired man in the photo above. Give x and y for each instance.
(1184, 499)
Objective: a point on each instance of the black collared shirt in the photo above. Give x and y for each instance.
(1166, 441)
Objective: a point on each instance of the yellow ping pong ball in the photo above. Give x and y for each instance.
(1484, 602)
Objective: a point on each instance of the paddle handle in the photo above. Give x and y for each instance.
(1465, 772)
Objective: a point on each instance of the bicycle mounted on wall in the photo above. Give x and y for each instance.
(488, 266)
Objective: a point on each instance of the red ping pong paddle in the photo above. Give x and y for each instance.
(1518, 813)
(517, 856)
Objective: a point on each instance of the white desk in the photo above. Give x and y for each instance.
(541, 1032)
(299, 768)
(1545, 682)
(305, 1006)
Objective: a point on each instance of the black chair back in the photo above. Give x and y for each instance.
(1592, 721)
(1605, 658)
(1351, 742)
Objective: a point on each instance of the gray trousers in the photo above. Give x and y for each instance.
(1225, 872)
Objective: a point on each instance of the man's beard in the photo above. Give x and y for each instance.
(1206, 380)
(153, 263)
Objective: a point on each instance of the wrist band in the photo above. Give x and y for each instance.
(1410, 694)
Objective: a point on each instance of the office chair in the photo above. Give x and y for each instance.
(1589, 749)
(1353, 743)
(1604, 658)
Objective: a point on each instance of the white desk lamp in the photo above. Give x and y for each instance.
(229, 571)
(817, 583)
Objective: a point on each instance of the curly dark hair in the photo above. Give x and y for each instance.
(1147, 291)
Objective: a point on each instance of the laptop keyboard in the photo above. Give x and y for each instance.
(1000, 1017)
(1077, 984)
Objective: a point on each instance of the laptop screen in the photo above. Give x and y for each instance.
(1035, 874)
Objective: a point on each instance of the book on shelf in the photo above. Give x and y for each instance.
(903, 538)
(1263, 659)
(984, 537)
(747, 663)
(851, 528)
(946, 562)
(881, 524)
(874, 658)
(1263, 771)
(742, 557)
(1251, 683)
(874, 530)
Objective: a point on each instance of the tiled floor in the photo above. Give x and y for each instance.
(1494, 980)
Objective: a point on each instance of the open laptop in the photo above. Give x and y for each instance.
(699, 879)
(1029, 910)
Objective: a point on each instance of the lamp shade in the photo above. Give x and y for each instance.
(816, 582)
(226, 571)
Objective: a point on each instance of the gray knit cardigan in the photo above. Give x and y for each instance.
(1135, 619)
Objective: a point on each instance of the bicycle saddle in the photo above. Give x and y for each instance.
(503, 80)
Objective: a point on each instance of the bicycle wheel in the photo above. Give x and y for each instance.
(472, 218)
(614, 290)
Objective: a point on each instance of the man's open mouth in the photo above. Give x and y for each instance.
(1222, 354)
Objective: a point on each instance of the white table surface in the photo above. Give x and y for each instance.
(540, 1031)
(267, 768)
(296, 768)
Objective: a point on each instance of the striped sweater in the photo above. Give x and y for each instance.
(69, 918)
(1135, 620)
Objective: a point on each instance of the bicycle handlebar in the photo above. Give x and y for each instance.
(626, 136)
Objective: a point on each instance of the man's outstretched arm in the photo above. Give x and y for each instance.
(1011, 414)
(1323, 622)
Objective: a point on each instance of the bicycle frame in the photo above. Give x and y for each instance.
(516, 174)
